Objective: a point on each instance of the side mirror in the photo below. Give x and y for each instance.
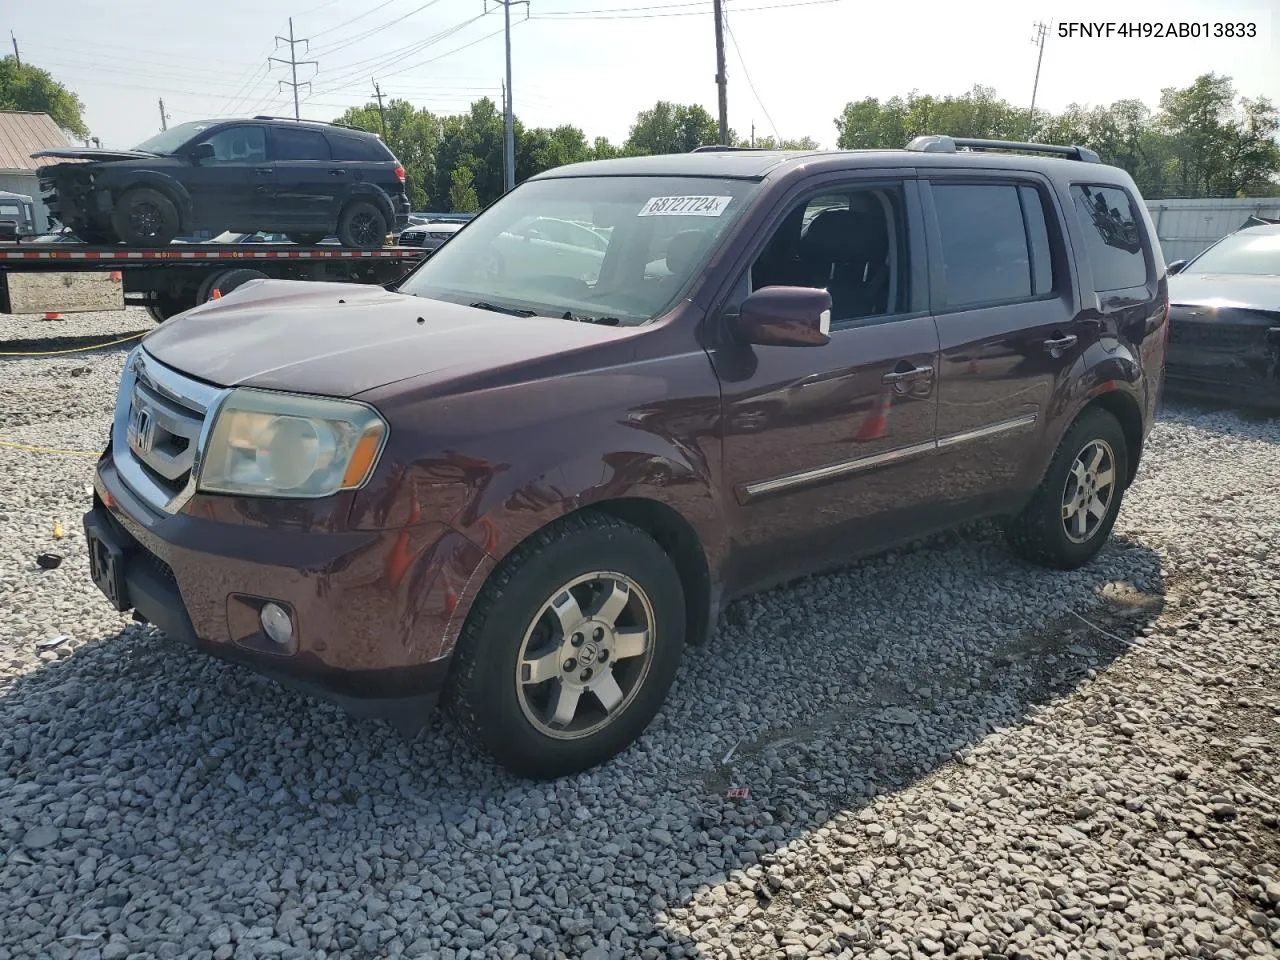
(786, 317)
(1177, 266)
(202, 151)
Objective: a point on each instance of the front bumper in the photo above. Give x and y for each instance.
(375, 612)
(1239, 365)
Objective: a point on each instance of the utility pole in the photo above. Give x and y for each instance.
(16, 55)
(509, 124)
(382, 114)
(164, 120)
(1042, 31)
(721, 80)
(504, 136)
(753, 134)
(293, 63)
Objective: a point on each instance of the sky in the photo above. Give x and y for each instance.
(791, 64)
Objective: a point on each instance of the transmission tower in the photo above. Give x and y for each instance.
(293, 63)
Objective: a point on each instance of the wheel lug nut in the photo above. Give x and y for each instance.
(585, 675)
(577, 639)
(570, 665)
(598, 635)
(603, 656)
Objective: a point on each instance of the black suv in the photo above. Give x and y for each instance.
(304, 179)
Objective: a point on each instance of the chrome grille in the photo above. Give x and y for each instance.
(411, 237)
(161, 423)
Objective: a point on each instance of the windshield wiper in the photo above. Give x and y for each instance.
(511, 311)
(603, 321)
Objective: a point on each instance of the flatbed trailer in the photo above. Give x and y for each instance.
(56, 278)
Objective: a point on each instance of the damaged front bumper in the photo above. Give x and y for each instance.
(1236, 363)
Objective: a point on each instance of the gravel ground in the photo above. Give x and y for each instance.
(947, 754)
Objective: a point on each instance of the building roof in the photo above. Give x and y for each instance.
(22, 134)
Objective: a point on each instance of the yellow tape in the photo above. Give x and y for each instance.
(54, 450)
(96, 346)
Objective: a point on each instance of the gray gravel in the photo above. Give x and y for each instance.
(947, 754)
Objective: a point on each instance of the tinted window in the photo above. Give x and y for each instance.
(239, 145)
(985, 254)
(357, 148)
(295, 143)
(852, 244)
(1033, 216)
(1112, 236)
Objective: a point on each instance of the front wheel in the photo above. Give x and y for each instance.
(570, 649)
(145, 218)
(362, 225)
(1072, 512)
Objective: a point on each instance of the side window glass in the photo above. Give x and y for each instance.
(850, 243)
(1035, 218)
(985, 254)
(1112, 236)
(239, 145)
(299, 144)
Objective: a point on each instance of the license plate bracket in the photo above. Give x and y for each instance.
(106, 562)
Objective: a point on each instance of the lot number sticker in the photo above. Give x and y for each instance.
(684, 206)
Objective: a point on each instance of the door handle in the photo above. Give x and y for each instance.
(337, 173)
(1055, 344)
(902, 376)
(264, 171)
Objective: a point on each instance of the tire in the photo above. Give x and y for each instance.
(166, 307)
(226, 281)
(305, 239)
(509, 713)
(1041, 533)
(362, 225)
(145, 218)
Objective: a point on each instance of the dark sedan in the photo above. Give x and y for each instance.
(1224, 312)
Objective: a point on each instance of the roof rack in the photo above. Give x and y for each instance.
(718, 148)
(940, 144)
(324, 123)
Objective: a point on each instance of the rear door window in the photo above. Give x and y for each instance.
(295, 143)
(1112, 236)
(991, 234)
(357, 148)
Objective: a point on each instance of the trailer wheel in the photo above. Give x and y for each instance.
(145, 218)
(362, 225)
(225, 281)
(167, 306)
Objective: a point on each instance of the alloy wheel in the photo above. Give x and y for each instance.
(585, 656)
(1089, 490)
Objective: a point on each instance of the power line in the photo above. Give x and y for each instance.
(359, 16)
(747, 76)
(326, 51)
(620, 14)
(361, 68)
(293, 63)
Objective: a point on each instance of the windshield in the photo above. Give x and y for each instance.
(171, 139)
(621, 248)
(1252, 252)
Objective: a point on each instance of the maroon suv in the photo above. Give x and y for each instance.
(530, 474)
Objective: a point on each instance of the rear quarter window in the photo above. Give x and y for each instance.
(358, 148)
(1112, 236)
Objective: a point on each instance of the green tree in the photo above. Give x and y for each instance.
(462, 192)
(602, 149)
(770, 143)
(671, 128)
(542, 149)
(413, 136)
(474, 141)
(24, 87)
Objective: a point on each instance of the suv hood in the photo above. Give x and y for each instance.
(1241, 291)
(70, 154)
(341, 339)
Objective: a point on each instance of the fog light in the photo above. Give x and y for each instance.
(277, 624)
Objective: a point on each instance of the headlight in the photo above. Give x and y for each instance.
(286, 445)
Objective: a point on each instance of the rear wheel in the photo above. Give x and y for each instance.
(166, 306)
(362, 225)
(305, 239)
(1072, 512)
(145, 218)
(570, 649)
